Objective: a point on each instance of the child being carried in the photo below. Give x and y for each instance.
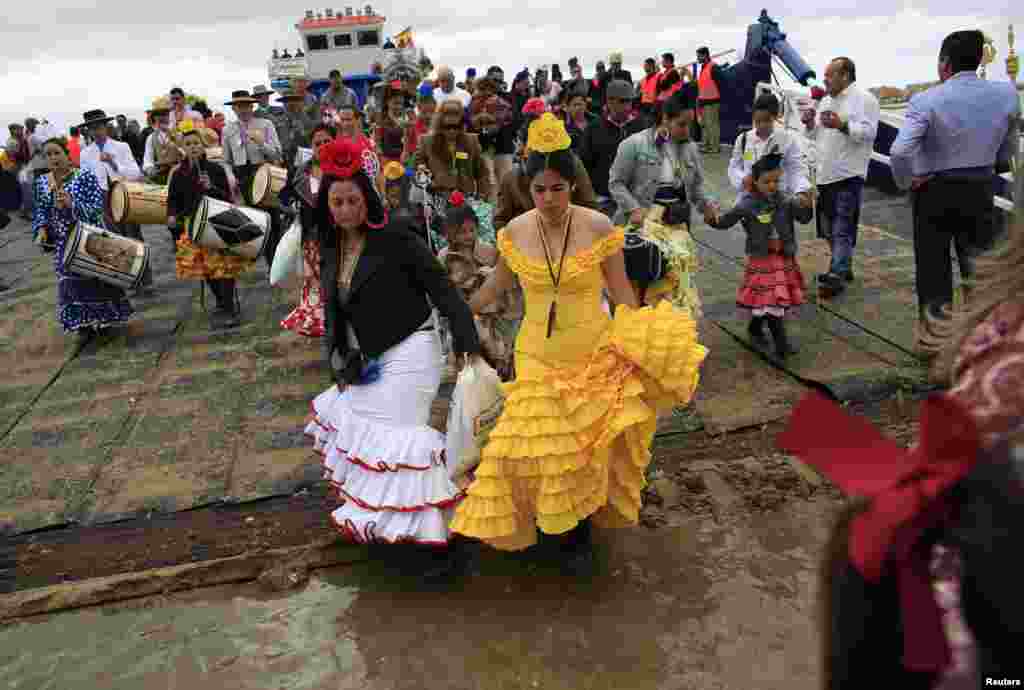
(469, 261)
(772, 282)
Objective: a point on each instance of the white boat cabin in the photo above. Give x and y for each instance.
(349, 41)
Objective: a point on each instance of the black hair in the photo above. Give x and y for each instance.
(766, 163)
(457, 215)
(74, 131)
(704, 50)
(650, 61)
(963, 49)
(327, 233)
(562, 162)
(323, 128)
(669, 56)
(767, 102)
(847, 66)
(178, 91)
(678, 103)
(330, 75)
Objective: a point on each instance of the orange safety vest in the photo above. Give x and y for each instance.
(649, 88)
(706, 86)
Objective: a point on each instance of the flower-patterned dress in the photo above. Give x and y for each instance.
(81, 302)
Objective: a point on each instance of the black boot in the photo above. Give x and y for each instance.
(783, 346)
(460, 559)
(755, 329)
(578, 551)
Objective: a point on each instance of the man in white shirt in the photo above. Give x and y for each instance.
(156, 165)
(448, 89)
(845, 139)
(179, 108)
(248, 143)
(110, 160)
(764, 138)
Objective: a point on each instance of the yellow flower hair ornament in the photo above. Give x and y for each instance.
(394, 171)
(547, 134)
(186, 126)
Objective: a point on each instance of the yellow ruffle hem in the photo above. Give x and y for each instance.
(574, 438)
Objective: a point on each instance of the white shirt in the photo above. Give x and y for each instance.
(456, 93)
(126, 167)
(842, 156)
(794, 166)
(149, 159)
(243, 152)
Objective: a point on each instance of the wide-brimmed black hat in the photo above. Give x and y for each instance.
(291, 95)
(241, 96)
(95, 117)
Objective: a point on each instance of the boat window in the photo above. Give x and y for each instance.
(317, 42)
(343, 40)
(369, 38)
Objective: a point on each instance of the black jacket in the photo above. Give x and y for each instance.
(760, 217)
(387, 302)
(598, 146)
(184, 192)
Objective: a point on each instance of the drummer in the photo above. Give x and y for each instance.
(110, 160)
(191, 180)
(248, 143)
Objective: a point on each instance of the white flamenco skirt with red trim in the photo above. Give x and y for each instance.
(386, 464)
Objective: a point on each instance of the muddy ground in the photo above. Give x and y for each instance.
(693, 474)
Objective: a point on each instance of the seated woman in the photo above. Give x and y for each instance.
(380, 283)
(573, 442)
(188, 183)
(63, 198)
(308, 317)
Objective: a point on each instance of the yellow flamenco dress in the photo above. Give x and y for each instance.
(574, 438)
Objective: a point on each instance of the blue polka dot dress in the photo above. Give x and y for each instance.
(81, 302)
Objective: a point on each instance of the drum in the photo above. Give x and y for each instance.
(94, 252)
(215, 154)
(221, 225)
(267, 183)
(138, 202)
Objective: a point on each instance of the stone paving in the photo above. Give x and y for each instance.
(166, 415)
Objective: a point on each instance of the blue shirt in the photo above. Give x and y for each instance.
(963, 123)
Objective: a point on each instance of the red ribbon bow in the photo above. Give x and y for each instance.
(341, 158)
(907, 491)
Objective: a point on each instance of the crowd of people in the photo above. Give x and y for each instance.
(526, 225)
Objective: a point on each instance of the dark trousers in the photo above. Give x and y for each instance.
(949, 210)
(838, 216)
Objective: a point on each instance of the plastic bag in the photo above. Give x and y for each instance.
(477, 403)
(288, 255)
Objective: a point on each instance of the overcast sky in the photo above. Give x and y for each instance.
(62, 59)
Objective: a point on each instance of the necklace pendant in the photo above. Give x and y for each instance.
(551, 317)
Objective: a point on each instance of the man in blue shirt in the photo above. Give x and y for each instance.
(954, 137)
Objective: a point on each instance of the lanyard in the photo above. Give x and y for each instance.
(555, 278)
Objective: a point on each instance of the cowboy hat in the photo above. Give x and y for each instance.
(161, 106)
(261, 90)
(241, 96)
(95, 117)
(291, 95)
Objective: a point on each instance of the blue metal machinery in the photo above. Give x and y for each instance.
(764, 40)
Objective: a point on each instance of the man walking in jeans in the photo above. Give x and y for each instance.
(847, 122)
(947, 151)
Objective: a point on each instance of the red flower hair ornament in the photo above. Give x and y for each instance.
(343, 158)
(457, 199)
(908, 492)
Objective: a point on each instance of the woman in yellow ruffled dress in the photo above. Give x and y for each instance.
(573, 442)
